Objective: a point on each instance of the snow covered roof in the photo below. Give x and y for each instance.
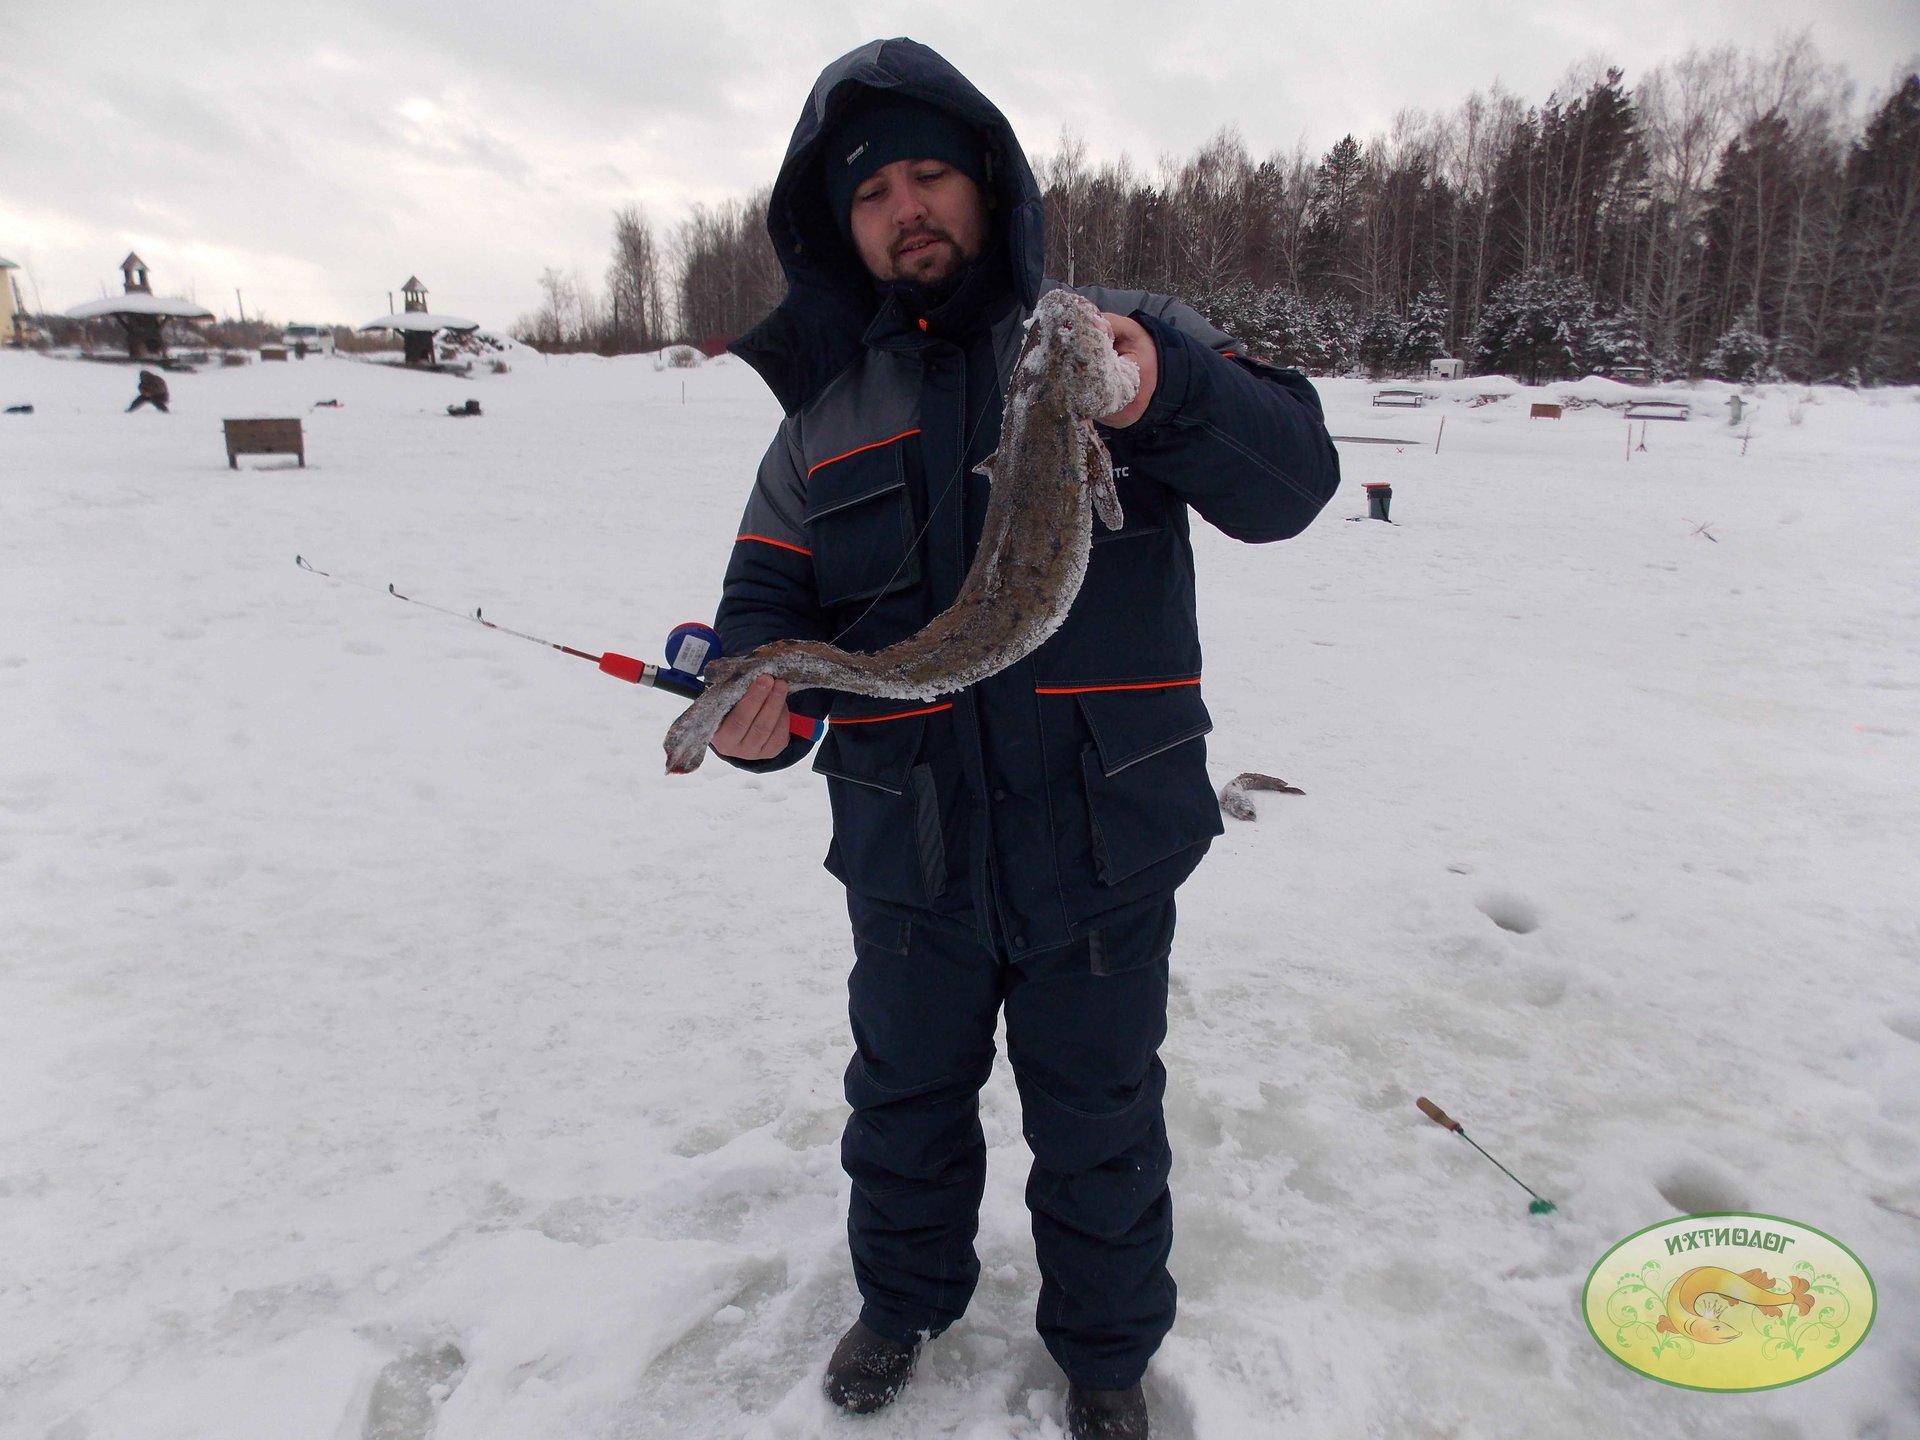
(6, 264)
(420, 320)
(138, 304)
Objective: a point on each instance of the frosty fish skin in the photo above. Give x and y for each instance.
(1049, 475)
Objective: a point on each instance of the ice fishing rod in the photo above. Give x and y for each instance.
(689, 648)
(1440, 1117)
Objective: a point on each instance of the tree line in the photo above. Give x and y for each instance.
(1730, 214)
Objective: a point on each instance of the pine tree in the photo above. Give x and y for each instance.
(1882, 296)
(1536, 325)
(1425, 336)
(1614, 344)
(1382, 334)
(1336, 332)
(1333, 215)
(1742, 353)
(1287, 333)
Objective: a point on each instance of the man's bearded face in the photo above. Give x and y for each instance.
(918, 220)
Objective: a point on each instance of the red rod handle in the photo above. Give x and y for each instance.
(639, 672)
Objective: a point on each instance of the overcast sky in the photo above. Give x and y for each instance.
(313, 155)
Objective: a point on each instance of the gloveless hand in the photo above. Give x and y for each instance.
(1130, 339)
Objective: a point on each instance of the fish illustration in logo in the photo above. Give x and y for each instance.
(1701, 1296)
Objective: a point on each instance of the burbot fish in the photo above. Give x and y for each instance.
(1701, 1296)
(1049, 474)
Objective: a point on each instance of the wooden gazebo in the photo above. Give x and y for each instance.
(141, 313)
(416, 325)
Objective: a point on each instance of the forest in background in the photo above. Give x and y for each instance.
(1730, 214)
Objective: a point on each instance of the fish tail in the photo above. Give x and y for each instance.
(1664, 1326)
(1798, 1285)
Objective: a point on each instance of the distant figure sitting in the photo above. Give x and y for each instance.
(153, 391)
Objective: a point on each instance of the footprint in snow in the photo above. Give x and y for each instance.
(409, 1391)
(1905, 1024)
(1509, 911)
(1697, 1187)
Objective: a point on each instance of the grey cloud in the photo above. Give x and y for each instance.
(275, 129)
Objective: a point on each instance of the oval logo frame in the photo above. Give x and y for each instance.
(1729, 1301)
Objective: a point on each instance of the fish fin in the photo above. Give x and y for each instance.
(1772, 1312)
(985, 467)
(1106, 497)
(1758, 1277)
(1664, 1327)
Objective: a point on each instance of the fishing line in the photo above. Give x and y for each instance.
(932, 510)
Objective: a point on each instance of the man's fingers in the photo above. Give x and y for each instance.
(766, 733)
(730, 737)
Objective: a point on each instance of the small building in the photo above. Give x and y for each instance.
(13, 309)
(1444, 367)
(416, 325)
(141, 313)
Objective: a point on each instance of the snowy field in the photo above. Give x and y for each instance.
(389, 1049)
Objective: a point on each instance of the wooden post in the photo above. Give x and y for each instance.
(1442, 431)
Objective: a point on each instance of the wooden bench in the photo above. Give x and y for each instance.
(264, 437)
(273, 352)
(1541, 410)
(1658, 410)
(1409, 399)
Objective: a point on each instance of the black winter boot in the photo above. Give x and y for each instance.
(867, 1370)
(1106, 1414)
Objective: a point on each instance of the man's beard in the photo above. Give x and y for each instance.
(935, 293)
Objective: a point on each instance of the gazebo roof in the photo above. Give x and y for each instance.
(137, 304)
(131, 261)
(418, 320)
(413, 283)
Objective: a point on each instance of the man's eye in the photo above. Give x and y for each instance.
(927, 177)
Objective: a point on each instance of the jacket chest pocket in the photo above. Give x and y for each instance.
(862, 528)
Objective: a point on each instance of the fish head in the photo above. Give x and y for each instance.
(1070, 349)
(1707, 1327)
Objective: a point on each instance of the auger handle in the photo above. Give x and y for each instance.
(1434, 1113)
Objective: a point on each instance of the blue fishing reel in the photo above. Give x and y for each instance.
(691, 646)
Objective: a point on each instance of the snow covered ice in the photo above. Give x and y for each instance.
(389, 1050)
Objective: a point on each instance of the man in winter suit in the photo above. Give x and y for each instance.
(1018, 842)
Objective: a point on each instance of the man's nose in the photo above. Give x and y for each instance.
(908, 207)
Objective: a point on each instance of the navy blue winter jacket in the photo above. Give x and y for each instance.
(1074, 783)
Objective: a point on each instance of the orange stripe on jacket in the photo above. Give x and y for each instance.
(870, 445)
(779, 544)
(1133, 685)
(896, 715)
